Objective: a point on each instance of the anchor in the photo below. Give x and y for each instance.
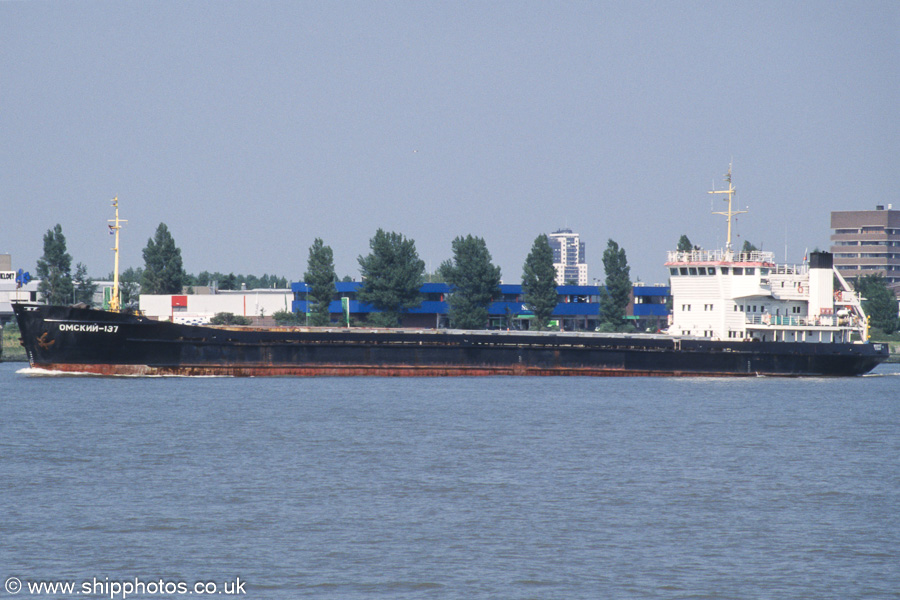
(44, 343)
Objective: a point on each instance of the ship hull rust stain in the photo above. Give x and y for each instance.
(363, 371)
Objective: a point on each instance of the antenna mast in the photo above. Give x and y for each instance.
(729, 214)
(116, 225)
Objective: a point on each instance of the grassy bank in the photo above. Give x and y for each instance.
(892, 339)
(12, 348)
(895, 352)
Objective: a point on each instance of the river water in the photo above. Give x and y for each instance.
(372, 488)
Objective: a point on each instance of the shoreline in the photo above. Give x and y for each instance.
(11, 348)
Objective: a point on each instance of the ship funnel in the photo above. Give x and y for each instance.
(821, 284)
(821, 260)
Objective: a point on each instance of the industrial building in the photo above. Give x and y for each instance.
(198, 309)
(578, 307)
(11, 291)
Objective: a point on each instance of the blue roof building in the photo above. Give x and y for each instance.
(649, 300)
(578, 307)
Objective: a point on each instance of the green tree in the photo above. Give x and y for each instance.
(684, 244)
(880, 303)
(54, 269)
(510, 316)
(163, 269)
(269, 281)
(235, 282)
(250, 282)
(320, 277)
(617, 287)
(204, 278)
(748, 247)
(474, 281)
(539, 281)
(84, 285)
(227, 318)
(286, 317)
(229, 282)
(392, 276)
(130, 287)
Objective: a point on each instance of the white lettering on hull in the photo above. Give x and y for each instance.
(88, 328)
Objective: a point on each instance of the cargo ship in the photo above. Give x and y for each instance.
(734, 314)
(81, 340)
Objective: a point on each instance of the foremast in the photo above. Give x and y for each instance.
(115, 226)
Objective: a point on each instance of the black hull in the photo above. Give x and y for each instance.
(83, 340)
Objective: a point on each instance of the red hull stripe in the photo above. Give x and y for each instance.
(365, 371)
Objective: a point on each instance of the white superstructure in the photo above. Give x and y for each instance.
(727, 295)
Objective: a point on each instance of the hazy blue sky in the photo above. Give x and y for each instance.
(250, 128)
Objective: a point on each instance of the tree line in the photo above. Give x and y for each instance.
(392, 276)
(163, 273)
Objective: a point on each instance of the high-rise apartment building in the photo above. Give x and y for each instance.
(568, 257)
(867, 242)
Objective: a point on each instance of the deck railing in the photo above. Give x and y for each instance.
(789, 269)
(790, 321)
(786, 320)
(698, 256)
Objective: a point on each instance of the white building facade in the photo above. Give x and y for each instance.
(11, 291)
(197, 309)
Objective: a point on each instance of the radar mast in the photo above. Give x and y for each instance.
(729, 214)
